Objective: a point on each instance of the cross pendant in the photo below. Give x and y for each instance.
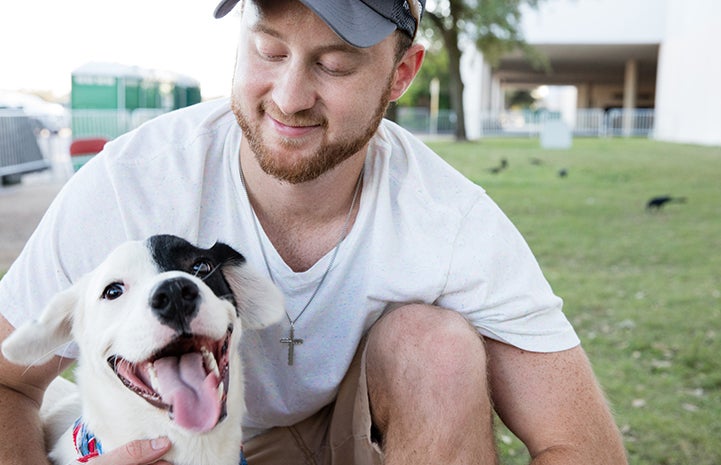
(292, 342)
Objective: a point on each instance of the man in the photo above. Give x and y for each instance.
(413, 305)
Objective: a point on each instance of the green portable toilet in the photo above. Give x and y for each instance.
(100, 94)
(105, 86)
(186, 91)
(104, 97)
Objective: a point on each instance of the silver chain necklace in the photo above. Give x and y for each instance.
(291, 340)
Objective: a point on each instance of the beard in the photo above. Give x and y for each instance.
(330, 154)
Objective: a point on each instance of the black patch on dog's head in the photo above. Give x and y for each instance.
(172, 253)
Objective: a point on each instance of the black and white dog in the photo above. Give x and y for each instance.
(158, 327)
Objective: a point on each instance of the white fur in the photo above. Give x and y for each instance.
(127, 327)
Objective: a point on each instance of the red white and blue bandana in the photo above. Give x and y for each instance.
(88, 446)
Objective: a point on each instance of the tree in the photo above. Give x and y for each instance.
(521, 99)
(492, 25)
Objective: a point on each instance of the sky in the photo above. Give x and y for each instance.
(43, 41)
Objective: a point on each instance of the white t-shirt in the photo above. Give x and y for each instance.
(424, 233)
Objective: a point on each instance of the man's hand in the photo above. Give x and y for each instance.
(140, 452)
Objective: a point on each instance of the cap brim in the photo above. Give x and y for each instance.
(224, 8)
(354, 21)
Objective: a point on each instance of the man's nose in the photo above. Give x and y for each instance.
(295, 90)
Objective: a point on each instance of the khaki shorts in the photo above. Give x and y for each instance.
(339, 434)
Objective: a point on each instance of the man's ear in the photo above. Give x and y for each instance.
(36, 342)
(406, 70)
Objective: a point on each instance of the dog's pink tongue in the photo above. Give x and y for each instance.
(193, 394)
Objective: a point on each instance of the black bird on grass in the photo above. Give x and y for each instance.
(499, 168)
(656, 203)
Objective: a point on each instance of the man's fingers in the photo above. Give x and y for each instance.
(140, 452)
(143, 452)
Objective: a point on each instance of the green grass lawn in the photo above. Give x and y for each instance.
(643, 289)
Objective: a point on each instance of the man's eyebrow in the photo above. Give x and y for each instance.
(343, 47)
(339, 46)
(259, 27)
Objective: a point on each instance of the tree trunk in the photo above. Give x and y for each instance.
(456, 85)
(392, 112)
(450, 40)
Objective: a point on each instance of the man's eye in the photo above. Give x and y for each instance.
(202, 268)
(333, 69)
(272, 56)
(269, 52)
(113, 291)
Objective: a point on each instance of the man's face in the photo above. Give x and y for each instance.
(306, 100)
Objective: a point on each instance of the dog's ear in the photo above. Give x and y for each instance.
(260, 303)
(35, 343)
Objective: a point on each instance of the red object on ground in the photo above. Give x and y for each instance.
(87, 146)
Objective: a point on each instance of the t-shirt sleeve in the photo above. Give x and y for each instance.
(495, 280)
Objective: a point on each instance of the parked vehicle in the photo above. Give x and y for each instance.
(45, 115)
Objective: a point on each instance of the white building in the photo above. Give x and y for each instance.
(658, 54)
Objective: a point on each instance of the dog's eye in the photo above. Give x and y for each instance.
(113, 291)
(202, 268)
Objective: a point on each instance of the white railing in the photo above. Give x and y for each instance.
(625, 123)
(591, 122)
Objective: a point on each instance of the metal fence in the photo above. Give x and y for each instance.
(592, 122)
(420, 120)
(35, 142)
(20, 151)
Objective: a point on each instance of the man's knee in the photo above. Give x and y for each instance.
(417, 352)
(426, 334)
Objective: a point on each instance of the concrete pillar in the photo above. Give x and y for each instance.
(584, 98)
(630, 90)
(474, 82)
(497, 100)
(435, 89)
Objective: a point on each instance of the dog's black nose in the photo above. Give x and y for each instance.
(175, 302)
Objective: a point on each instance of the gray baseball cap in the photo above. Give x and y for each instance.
(362, 23)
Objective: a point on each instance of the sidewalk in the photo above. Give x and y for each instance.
(21, 208)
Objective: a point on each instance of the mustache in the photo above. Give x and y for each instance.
(302, 118)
